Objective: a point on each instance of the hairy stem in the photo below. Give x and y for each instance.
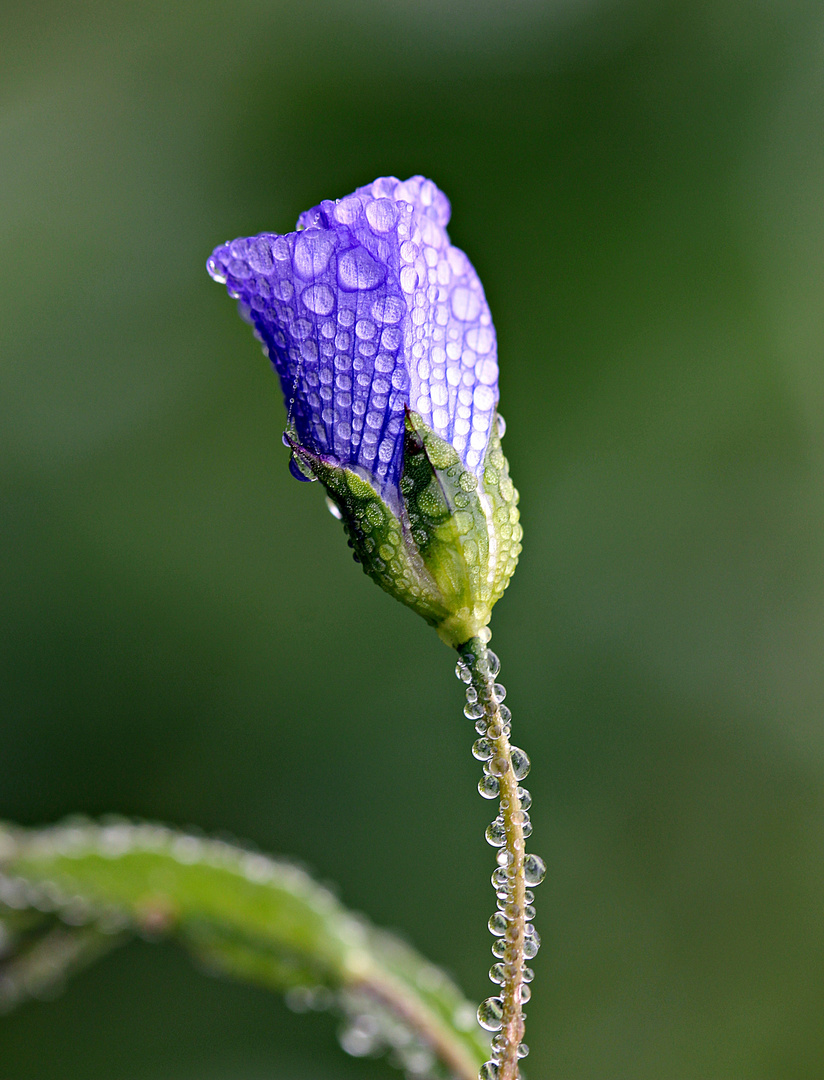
(511, 857)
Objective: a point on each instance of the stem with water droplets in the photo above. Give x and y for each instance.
(475, 655)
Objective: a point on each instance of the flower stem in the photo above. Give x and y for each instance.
(504, 766)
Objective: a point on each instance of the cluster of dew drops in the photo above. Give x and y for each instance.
(490, 1011)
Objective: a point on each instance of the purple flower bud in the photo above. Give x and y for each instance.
(367, 311)
(381, 335)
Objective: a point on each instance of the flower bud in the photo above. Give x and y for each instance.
(381, 335)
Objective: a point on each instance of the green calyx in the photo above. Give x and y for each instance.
(451, 548)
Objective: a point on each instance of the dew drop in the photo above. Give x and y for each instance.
(525, 798)
(500, 877)
(498, 691)
(488, 1071)
(490, 1014)
(497, 924)
(473, 710)
(524, 993)
(497, 974)
(499, 765)
(482, 727)
(471, 694)
(520, 763)
(488, 787)
(482, 749)
(496, 833)
(529, 912)
(493, 662)
(512, 933)
(523, 1051)
(358, 271)
(333, 509)
(531, 946)
(361, 1037)
(319, 298)
(528, 975)
(300, 471)
(534, 870)
(499, 948)
(462, 671)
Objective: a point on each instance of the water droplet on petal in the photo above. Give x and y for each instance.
(466, 305)
(313, 250)
(357, 270)
(382, 214)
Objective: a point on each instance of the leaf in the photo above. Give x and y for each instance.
(241, 913)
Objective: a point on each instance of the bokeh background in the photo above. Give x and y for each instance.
(184, 635)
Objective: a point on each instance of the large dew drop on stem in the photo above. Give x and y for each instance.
(534, 870)
(520, 763)
(490, 1014)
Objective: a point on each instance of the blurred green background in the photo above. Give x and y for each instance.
(185, 636)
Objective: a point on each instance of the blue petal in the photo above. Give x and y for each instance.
(365, 311)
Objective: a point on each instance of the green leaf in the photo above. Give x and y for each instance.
(68, 892)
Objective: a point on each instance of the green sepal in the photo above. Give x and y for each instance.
(381, 543)
(450, 547)
(466, 530)
(501, 505)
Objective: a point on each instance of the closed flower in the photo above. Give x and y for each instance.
(382, 338)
